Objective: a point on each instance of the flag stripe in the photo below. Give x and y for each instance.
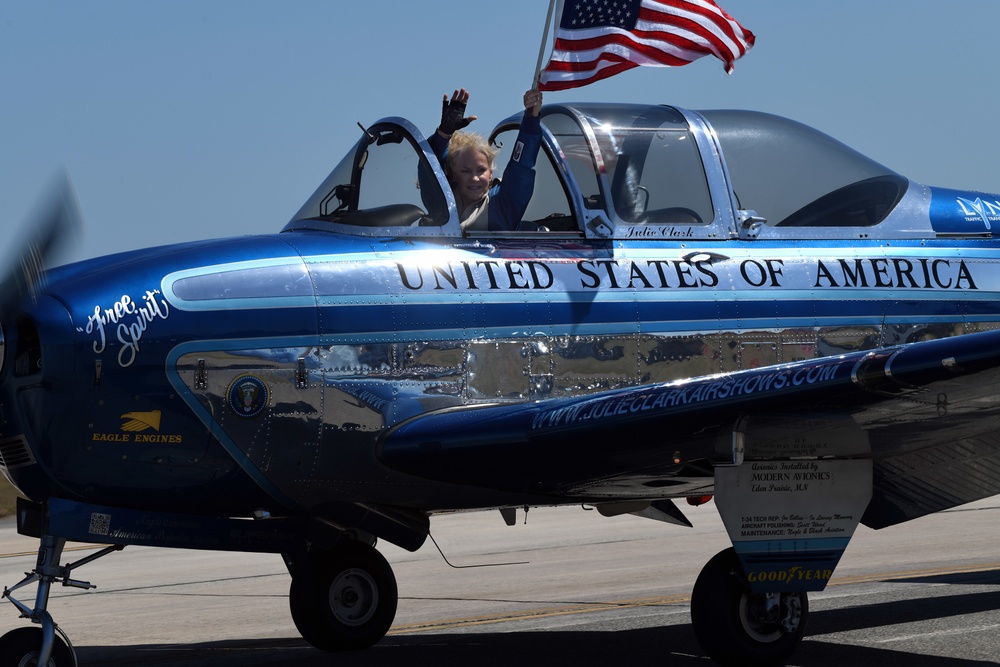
(609, 65)
(712, 42)
(723, 22)
(665, 33)
(703, 19)
(658, 51)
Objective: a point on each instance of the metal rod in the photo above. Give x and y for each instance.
(541, 48)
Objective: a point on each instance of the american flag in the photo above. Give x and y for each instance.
(596, 39)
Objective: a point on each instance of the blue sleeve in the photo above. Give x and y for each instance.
(510, 201)
(439, 145)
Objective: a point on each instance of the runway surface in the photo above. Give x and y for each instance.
(564, 585)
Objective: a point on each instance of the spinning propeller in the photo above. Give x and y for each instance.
(56, 222)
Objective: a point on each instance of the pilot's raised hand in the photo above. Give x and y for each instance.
(453, 113)
(533, 101)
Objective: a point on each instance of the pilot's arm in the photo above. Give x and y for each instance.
(509, 200)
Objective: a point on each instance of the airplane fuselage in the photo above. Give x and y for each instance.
(275, 363)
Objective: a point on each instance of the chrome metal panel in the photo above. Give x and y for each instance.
(838, 340)
(584, 364)
(666, 358)
(498, 370)
(757, 354)
(896, 334)
(368, 386)
(972, 327)
(441, 363)
(287, 413)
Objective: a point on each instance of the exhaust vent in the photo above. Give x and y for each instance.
(14, 453)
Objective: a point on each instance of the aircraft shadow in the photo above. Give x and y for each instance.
(673, 645)
(592, 643)
(910, 610)
(981, 578)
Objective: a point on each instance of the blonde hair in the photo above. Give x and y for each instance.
(461, 142)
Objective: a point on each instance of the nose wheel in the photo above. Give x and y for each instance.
(344, 598)
(20, 648)
(737, 627)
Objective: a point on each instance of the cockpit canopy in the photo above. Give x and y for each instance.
(794, 175)
(626, 172)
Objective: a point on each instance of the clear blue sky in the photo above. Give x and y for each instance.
(182, 119)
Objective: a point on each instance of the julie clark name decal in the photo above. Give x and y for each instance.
(878, 272)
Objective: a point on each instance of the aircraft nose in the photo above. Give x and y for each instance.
(32, 338)
(22, 282)
(37, 355)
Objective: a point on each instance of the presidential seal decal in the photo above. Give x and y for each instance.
(247, 396)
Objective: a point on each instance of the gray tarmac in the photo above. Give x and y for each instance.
(563, 585)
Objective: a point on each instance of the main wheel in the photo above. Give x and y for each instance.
(345, 598)
(739, 628)
(19, 648)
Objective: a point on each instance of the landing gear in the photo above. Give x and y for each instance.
(344, 598)
(35, 647)
(737, 627)
(19, 648)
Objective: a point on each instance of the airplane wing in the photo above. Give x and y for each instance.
(925, 413)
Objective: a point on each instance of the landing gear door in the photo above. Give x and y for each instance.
(790, 521)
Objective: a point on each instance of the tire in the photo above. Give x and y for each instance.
(729, 621)
(19, 648)
(344, 599)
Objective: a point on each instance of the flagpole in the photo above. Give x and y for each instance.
(541, 49)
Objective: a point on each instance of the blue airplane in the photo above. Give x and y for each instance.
(722, 304)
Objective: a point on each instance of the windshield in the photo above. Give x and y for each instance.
(649, 156)
(320, 204)
(384, 181)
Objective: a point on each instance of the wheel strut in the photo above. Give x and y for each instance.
(47, 572)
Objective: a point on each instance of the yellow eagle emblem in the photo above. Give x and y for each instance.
(141, 421)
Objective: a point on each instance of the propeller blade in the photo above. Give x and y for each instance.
(57, 222)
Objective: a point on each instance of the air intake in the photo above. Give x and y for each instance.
(14, 452)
